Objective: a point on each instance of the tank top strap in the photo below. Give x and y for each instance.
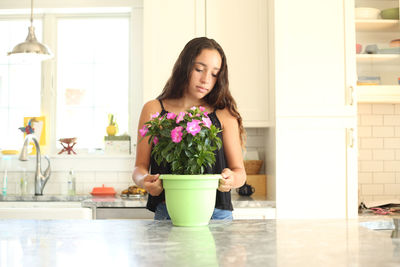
(162, 106)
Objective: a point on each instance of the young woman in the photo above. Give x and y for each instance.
(199, 78)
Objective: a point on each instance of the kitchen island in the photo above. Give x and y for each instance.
(221, 243)
(116, 207)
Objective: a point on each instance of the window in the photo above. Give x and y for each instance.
(92, 77)
(20, 83)
(90, 74)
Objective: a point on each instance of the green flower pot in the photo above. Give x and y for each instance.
(190, 199)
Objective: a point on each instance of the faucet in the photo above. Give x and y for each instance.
(40, 179)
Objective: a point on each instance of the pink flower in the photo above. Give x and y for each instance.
(190, 115)
(202, 108)
(193, 127)
(180, 116)
(171, 116)
(205, 113)
(176, 134)
(207, 122)
(193, 108)
(155, 140)
(155, 115)
(144, 131)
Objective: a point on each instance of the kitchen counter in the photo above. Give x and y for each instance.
(45, 198)
(158, 243)
(118, 202)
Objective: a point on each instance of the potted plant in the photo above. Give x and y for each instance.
(186, 141)
(112, 127)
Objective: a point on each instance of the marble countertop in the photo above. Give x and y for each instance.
(112, 202)
(237, 243)
(118, 202)
(45, 198)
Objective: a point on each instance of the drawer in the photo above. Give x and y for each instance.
(123, 213)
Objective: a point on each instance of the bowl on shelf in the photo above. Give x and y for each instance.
(358, 48)
(390, 13)
(367, 13)
(392, 50)
(371, 49)
(395, 43)
(369, 80)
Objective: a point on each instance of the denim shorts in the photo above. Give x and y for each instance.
(218, 214)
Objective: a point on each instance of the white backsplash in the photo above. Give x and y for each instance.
(91, 171)
(379, 151)
(94, 170)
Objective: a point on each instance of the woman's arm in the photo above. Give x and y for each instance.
(141, 175)
(234, 176)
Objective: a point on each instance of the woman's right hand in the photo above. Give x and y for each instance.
(153, 184)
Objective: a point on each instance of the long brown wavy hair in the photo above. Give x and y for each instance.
(220, 97)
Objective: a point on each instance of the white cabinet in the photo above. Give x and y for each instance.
(44, 210)
(316, 163)
(239, 26)
(312, 42)
(168, 26)
(378, 32)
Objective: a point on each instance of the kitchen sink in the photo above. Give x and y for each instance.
(44, 210)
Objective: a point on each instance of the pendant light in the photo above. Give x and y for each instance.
(31, 47)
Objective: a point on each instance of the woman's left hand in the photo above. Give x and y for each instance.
(227, 181)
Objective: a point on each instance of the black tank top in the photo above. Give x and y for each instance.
(223, 199)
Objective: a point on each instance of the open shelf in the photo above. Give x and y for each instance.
(378, 93)
(377, 25)
(378, 58)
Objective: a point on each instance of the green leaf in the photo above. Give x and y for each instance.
(170, 157)
(187, 153)
(193, 169)
(175, 166)
(202, 133)
(166, 150)
(207, 142)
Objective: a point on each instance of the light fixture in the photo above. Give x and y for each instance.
(31, 47)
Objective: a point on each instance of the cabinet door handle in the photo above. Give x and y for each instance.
(351, 95)
(350, 137)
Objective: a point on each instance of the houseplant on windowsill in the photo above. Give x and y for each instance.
(186, 141)
(112, 128)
